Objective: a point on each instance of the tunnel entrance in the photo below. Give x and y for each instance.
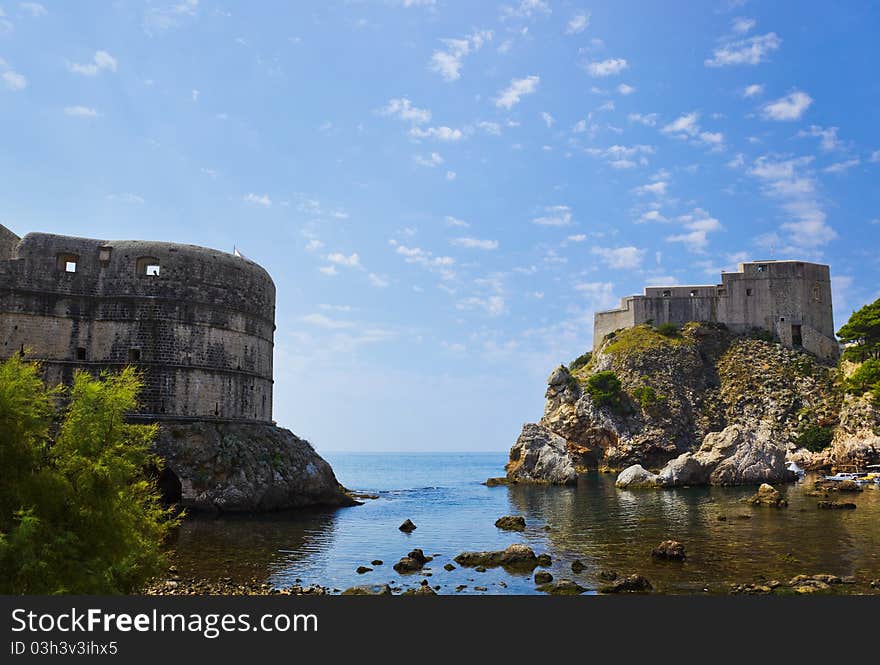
(169, 486)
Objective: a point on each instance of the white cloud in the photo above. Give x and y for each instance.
(557, 215)
(379, 281)
(126, 197)
(450, 176)
(875, 156)
(621, 156)
(578, 23)
(13, 80)
(517, 88)
(453, 221)
(656, 188)
(418, 3)
(842, 167)
(789, 181)
(492, 305)
(490, 127)
(828, 140)
(443, 133)
(625, 89)
(322, 321)
(620, 257)
(753, 90)
(474, 243)
(5, 24)
(432, 160)
(330, 271)
(647, 119)
(259, 199)
(609, 67)
(547, 118)
(163, 19)
(652, 216)
(699, 224)
(742, 25)
(685, 124)
(600, 294)
(403, 109)
(525, 9)
(448, 63)
(737, 162)
(340, 259)
(790, 107)
(579, 237)
(751, 51)
(101, 61)
(35, 9)
(81, 112)
(426, 259)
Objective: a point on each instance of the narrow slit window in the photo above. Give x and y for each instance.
(134, 355)
(80, 353)
(693, 293)
(667, 293)
(748, 292)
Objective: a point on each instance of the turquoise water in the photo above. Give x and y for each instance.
(606, 528)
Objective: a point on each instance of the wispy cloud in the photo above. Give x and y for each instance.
(699, 224)
(11, 78)
(162, 19)
(842, 167)
(828, 140)
(753, 90)
(790, 107)
(628, 257)
(474, 243)
(578, 23)
(258, 199)
(101, 61)
(448, 62)
(511, 95)
(403, 109)
(742, 25)
(429, 161)
(525, 9)
(558, 215)
(443, 133)
(647, 119)
(751, 51)
(609, 67)
(81, 112)
(34, 9)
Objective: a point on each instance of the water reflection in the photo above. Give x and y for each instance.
(728, 542)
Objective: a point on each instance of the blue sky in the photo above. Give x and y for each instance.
(445, 192)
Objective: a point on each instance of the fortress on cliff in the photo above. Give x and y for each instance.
(198, 322)
(791, 300)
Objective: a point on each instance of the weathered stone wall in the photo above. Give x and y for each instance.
(201, 330)
(775, 296)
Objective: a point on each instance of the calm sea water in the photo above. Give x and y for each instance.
(606, 528)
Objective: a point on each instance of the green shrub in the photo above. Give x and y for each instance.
(646, 396)
(605, 389)
(668, 329)
(815, 438)
(761, 334)
(77, 512)
(581, 361)
(861, 333)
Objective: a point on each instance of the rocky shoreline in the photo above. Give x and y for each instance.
(698, 406)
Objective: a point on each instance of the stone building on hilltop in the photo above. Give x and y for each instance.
(791, 300)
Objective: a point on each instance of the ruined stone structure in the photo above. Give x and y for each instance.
(789, 299)
(198, 322)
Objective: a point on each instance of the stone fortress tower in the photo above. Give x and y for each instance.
(789, 299)
(198, 322)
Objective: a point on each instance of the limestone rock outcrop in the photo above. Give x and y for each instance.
(243, 467)
(700, 406)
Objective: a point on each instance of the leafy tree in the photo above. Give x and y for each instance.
(79, 514)
(862, 333)
(815, 438)
(866, 378)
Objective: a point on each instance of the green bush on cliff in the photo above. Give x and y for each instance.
(646, 396)
(77, 512)
(861, 333)
(815, 438)
(668, 329)
(865, 379)
(581, 361)
(605, 389)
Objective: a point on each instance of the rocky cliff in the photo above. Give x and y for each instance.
(700, 405)
(243, 467)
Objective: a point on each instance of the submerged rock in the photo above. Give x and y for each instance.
(368, 590)
(543, 577)
(670, 550)
(631, 584)
(243, 467)
(836, 505)
(577, 566)
(515, 556)
(562, 588)
(767, 495)
(511, 523)
(363, 569)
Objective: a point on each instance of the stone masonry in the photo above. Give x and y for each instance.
(198, 322)
(791, 300)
